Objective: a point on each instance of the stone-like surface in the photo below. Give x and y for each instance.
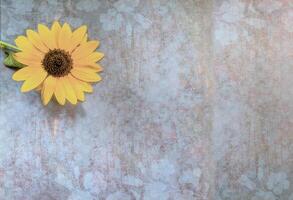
(196, 103)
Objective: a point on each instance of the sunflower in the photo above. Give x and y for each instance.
(59, 62)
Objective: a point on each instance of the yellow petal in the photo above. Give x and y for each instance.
(39, 87)
(25, 45)
(92, 58)
(59, 92)
(86, 87)
(84, 39)
(85, 49)
(77, 37)
(24, 73)
(55, 29)
(65, 37)
(48, 89)
(27, 61)
(77, 87)
(85, 74)
(27, 56)
(46, 36)
(34, 80)
(94, 66)
(69, 91)
(35, 39)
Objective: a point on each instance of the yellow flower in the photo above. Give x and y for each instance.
(59, 62)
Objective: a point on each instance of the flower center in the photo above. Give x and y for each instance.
(57, 62)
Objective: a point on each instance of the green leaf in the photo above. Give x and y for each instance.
(10, 61)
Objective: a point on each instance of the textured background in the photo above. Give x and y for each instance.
(196, 103)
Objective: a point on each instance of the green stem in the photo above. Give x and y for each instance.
(5, 45)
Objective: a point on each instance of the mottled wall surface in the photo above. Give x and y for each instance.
(196, 103)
